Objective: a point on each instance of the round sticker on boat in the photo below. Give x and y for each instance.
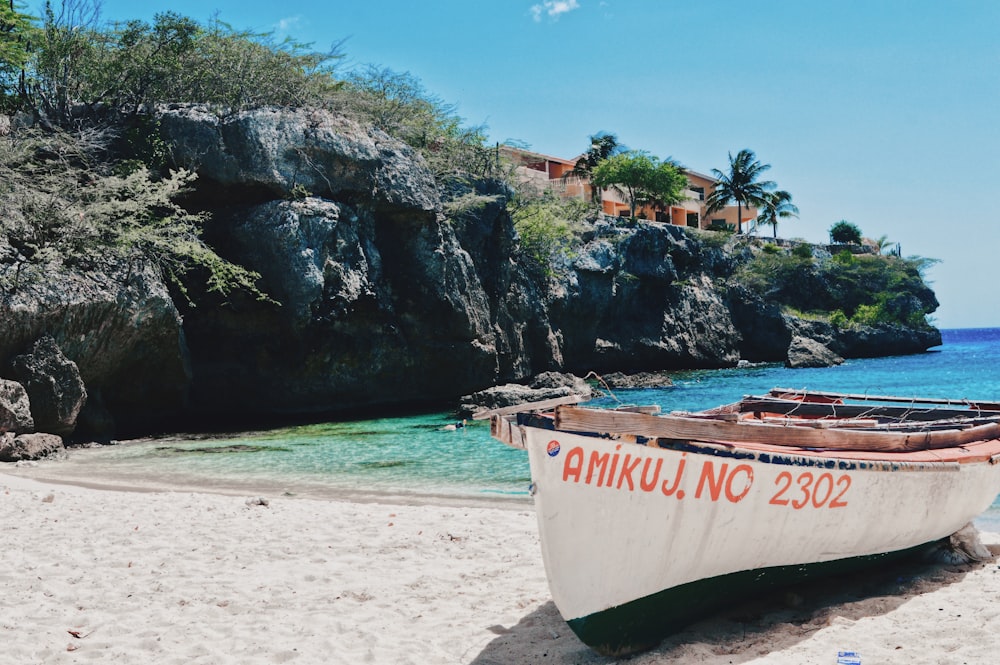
(553, 448)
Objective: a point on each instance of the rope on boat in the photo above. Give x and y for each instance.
(600, 379)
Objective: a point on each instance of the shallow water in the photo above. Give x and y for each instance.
(414, 455)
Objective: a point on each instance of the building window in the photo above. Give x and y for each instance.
(692, 219)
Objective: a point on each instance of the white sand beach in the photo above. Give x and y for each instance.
(96, 575)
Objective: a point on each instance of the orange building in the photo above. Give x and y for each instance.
(549, 173)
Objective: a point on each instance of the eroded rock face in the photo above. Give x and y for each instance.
(641, 299)
(120, 327)
(15, 409)
(279, 150)
(374, 310)
(390, 293)
(53, 384)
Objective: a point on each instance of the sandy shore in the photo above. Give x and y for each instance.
(178, 577)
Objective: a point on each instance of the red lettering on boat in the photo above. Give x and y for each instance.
(573, 464)
(677, 479)
(732, 495)
(650, 485)
(805, 483)
(812, 490)
(628, 466)
(777, 499)
(846, 482)
(715, 482)
(597, 459)
(614, 466)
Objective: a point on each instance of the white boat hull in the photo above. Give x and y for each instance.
(620, 522)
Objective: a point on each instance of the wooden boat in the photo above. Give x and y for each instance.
(648, 522)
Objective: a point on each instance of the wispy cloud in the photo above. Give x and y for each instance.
(553, 9)
(287, 24)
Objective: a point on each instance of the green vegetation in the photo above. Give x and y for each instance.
(847, 289)
(777, 206)
(713, 238)
(802, 251)
(75, 192)
(75, 66)
(602, 146)
(548, 228)
(61, 206)
(741, 184)
(641, 179)
(16, 33)
(398, 104)
(845, 233)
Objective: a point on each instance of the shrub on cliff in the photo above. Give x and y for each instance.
(547, 227)
(398, 104)
(61, 204)
(857, 289)
(76, 66)
(74, 63)
(843, 232)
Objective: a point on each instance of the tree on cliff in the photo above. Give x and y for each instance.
(777, 206)
(845, 233)
(741, 184)
(641, 178)
(16, 33)
(602, 146)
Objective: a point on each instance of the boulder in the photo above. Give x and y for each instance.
(53, 384)
(15, 408)
(557, 380)
(28, 446)
(548, 385)
(637, 380)
(805, 352)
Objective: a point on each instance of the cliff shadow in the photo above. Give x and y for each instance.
(748, 630)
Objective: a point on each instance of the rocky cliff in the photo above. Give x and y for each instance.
(379, 298)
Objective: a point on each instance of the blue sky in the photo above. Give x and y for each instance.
(880, 112)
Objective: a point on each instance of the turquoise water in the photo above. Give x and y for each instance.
(414, 455)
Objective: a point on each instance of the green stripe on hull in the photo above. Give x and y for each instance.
(641, 624)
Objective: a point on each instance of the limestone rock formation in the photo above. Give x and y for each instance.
(279, 150)
(28, 446)
(379, 302)
(119, 326)
(643, 298)
(389, 287)
(53, 384)
(15, 409)
(637, 380)
(548, 385)
(805, 352)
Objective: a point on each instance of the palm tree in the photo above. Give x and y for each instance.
(741, 184)
(777, 205)
(602, 146)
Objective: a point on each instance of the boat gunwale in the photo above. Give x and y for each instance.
(983, 451)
